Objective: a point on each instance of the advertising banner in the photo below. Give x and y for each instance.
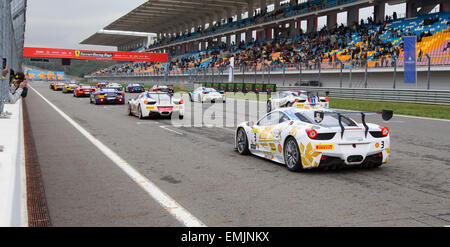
(45, 75)
(95, 55)
(410, 59)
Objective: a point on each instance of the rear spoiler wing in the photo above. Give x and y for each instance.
(386, 115)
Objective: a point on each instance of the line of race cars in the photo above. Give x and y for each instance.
(299, 130)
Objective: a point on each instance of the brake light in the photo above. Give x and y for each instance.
(324, 157)
(181, 102)
(326, 99)
(203, 92)
(311, 133)
(384, 131)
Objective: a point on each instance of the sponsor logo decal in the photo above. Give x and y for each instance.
(322, 147)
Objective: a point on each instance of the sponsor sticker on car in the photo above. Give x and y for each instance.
(324, 147)
(165, 108)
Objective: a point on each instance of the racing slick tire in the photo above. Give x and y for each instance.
(292, 156)
(269, 106)
(140, 112)
(242, 142)
(129, 111)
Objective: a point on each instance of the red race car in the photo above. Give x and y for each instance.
(83, 91)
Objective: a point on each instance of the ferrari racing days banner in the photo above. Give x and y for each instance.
(95, 55)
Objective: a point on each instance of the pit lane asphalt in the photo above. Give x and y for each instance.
(198, 167)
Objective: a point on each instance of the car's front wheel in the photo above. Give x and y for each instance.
(292, 156)
(242, 142)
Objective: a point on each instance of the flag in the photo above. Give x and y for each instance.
(410, 59)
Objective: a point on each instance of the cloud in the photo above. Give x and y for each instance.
(63, 24)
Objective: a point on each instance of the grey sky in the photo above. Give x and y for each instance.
(64, 23)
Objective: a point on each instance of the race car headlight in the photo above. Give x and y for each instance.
(149, 102)
(311, 133)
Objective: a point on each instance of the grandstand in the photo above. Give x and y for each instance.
(279, 41)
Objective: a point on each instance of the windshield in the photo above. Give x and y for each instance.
(87, 87)
(329, 119)
(156, 96)
(210, 89)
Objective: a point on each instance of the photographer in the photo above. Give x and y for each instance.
(18, 86)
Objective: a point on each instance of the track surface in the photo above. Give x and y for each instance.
(198, 167)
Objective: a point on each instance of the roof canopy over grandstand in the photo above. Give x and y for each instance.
(114, 38)
(160, 15)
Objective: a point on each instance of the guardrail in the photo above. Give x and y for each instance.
(12, 169)
(441, 97)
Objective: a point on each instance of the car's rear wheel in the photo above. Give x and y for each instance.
(242, 142)
(292, 157)
(129, 111)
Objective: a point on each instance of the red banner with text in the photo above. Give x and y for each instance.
(95, 55)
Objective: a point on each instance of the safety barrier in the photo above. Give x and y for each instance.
(12, 166)
(12, 169)
(441, 97)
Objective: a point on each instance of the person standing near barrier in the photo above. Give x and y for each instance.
(18, 86)
(5, 71)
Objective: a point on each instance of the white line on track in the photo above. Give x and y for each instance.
(176, 132)
(169, 204)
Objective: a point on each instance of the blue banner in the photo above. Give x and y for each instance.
(410, 59)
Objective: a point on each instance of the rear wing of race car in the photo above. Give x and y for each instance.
(386, 115)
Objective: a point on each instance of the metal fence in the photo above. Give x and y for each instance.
(441, 97)
(12, 28)
(349, 74)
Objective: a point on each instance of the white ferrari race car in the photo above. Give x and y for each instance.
(318, 137)
(297, 99)
(155, 103)
(204, 94)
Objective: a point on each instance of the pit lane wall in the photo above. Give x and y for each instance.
(13, 202)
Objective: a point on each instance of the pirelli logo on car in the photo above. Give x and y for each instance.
(324, 147)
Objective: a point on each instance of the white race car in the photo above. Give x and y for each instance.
(155, 103)
(316, 137)
(116, 86)
(297, 99)
(204, 94)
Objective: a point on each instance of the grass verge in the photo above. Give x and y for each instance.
(410, 109)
